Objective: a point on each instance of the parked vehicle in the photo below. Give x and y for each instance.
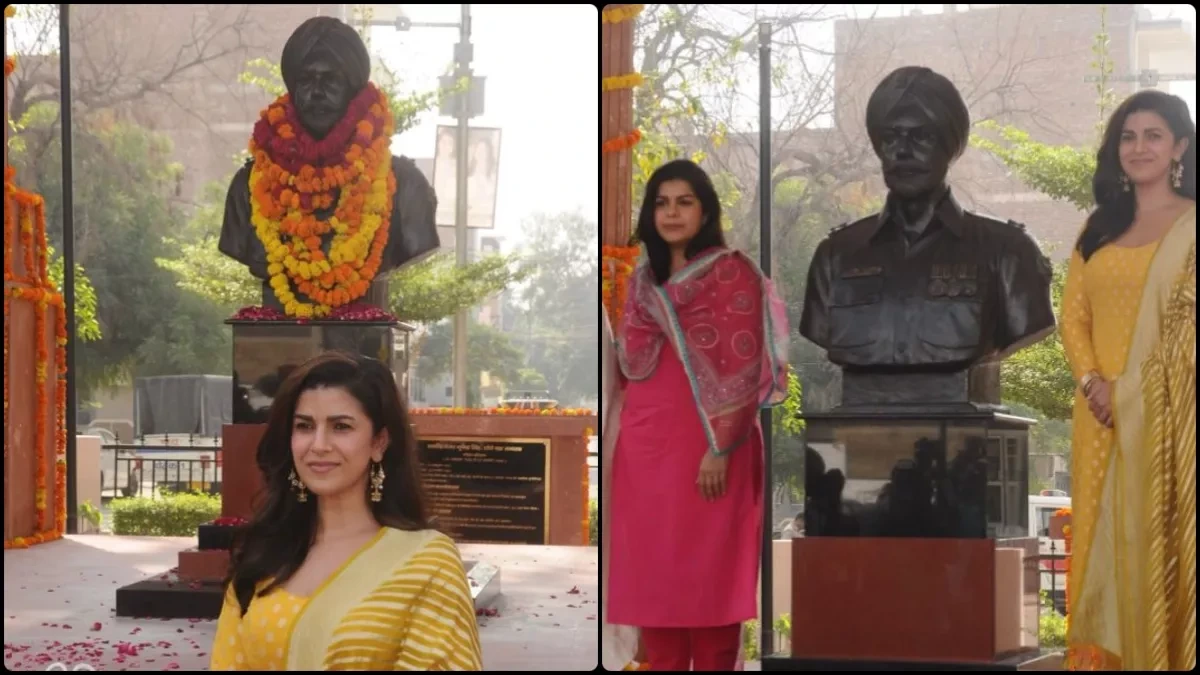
(1054, 572)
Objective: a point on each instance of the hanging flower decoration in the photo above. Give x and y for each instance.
(621, 14)
(617, 82)
(1066, 513)
(621, 143)
(295, 176)
(25, 223)
(617, 264)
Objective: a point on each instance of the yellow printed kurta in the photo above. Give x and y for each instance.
(1100, 306)
(256, 642)
(1130, 483)
(401, 603)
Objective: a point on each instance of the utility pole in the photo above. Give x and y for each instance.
(462, 59)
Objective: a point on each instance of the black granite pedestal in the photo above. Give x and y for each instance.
(265, 352)
(913, 473)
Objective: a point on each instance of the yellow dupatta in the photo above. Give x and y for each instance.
(1129, 563)
(351, 617)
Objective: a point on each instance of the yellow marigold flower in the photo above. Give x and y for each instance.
(274, 269)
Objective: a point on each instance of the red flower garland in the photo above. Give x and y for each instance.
(620, 143)
(27, 212)
(292, 151)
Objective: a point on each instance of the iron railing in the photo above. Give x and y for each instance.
(148, 467)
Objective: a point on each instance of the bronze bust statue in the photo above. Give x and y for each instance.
(909, 300)
(325, 67)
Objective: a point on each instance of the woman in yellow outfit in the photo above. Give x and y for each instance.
(1128, 328)
(339, 569)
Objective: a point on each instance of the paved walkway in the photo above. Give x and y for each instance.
(59, 599)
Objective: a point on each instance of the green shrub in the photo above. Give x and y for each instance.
(1052, 626)
(90, 513)
(593, 524)
(173, 515)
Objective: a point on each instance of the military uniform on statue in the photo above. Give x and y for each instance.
(916, 485)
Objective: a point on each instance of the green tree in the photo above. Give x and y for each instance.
(1039, 376)
(87, 328)
(488, 349)
(122, 174)
(555, 313)
(436, 288)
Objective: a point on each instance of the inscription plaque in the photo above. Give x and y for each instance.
(489, 490)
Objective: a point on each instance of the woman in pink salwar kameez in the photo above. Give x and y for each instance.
(701, 348)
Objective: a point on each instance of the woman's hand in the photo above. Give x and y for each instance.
(1099, 397)
(711, 480)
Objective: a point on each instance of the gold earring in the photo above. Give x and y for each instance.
(1177, 174)
(1124, 183)
(302, 494)
(377, 483)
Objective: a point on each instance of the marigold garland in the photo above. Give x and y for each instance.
(621, 82)
(621, 14)
(25, 221)
(617, 264)
(1066, 513)
(502, 412)
(294, 176)
(620, 143)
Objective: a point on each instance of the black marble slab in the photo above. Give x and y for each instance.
(265, 352)
(916, 474)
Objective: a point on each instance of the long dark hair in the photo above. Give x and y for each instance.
(710, 228)
(1115, 207)
(276, 541)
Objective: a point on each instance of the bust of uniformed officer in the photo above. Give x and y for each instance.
(326, 68)
(908, 300)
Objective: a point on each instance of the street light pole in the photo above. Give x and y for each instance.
(462, 59)
(463, 53)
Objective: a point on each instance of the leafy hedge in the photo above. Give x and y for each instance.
(172, 515)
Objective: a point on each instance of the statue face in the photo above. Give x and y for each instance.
(915, 163)
(322, 95)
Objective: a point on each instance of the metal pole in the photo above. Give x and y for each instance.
(68, 190)
(767, 619)
(463, 70)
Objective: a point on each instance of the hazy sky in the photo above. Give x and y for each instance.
(540, 63)
(819, 36)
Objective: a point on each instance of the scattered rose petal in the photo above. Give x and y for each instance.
(574, 591)
(96, 626)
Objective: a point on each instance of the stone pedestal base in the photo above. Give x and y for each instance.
(200, 565)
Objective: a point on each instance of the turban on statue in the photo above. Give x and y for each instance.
(929, 90)
(330, 37)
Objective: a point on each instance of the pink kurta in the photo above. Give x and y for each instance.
(678, 561)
